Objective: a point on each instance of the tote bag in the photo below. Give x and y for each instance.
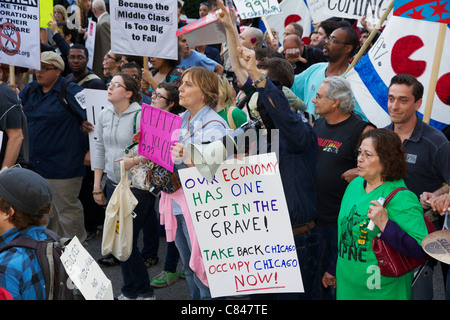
(118, 226)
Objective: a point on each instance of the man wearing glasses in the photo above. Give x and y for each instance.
(57, 145)
(338, 48)
(78, 59)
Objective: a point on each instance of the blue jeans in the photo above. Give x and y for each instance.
(327, 252)
(197, 289)
(136, 281)
(307, 245)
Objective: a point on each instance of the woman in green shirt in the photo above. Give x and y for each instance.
(234, 116)
(381, 169)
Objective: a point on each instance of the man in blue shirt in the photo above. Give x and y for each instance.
(57, 145)
(25, 199)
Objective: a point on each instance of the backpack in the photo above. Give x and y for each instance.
(61, 97)
(58, 285)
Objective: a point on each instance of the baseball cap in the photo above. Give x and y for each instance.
(53, 58)
(25, 190)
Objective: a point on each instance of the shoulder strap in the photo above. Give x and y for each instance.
(88, 78)
(230, 119)
(392, 194)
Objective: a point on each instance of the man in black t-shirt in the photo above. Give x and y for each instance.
(338, 130)
(12, 127)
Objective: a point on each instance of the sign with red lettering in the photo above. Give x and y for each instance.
(243, 228)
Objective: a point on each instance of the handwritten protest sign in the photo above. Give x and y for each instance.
(248, 9)
(242, 224)
(141, 27)
(94, 102)
(159, 131)
(85, 273)
(19, 34)
(206, 30)
(324, 9)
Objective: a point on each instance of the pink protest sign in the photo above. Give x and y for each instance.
(159, 131)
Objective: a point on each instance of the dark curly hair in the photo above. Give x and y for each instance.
(391, 152)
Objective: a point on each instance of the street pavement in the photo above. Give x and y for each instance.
(179, 290)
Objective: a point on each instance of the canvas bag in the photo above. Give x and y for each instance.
(118, 226)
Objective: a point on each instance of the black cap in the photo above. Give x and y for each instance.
(25, 190)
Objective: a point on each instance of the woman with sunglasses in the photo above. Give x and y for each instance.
(115, 133)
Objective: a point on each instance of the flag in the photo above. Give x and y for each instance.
(405, 46)
(291, 11)
(429, 10)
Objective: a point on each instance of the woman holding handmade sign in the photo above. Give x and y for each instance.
(115, 133)
(199, 94)
(381, 169)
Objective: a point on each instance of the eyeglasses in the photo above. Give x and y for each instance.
(159, 96)
(365, 155)
(334, 41)
(45, 69)
(110, 57)
(116, 85)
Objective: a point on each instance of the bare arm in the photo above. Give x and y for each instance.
(15, 138)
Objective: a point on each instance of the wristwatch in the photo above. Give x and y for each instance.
(263, 76)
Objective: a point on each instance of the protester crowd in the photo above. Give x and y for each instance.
(334, 163)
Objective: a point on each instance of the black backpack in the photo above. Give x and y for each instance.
(58, 285)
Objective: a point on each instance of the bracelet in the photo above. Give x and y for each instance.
(263, 76)
(97, 192)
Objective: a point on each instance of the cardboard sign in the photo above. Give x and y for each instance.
(94, 102)
(159, 131)
(243, 227)
(85, 273)
(248, 9)
(143, 28)
(19, 34)
(206, 30)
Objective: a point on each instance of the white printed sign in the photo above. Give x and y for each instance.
(243, 227)
(248, 9)
(144, 28)
(90, 42)
(324, 9)
(85, 273)
(94, 102)
(19, 34)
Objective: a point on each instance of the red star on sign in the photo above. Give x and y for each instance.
(417, 14)
(439, 9)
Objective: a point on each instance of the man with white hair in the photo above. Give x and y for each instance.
(102, 36)
(252, 38)
(338, 130)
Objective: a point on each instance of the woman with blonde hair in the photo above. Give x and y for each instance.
(226, 108)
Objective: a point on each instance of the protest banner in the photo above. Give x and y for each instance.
(206, 30)
(19, 34)
(85, 273)
(243, 228)
(248, 9)
(94, 102)
(144, 28)
(324, 9)
(159, 131)
(404, 46)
